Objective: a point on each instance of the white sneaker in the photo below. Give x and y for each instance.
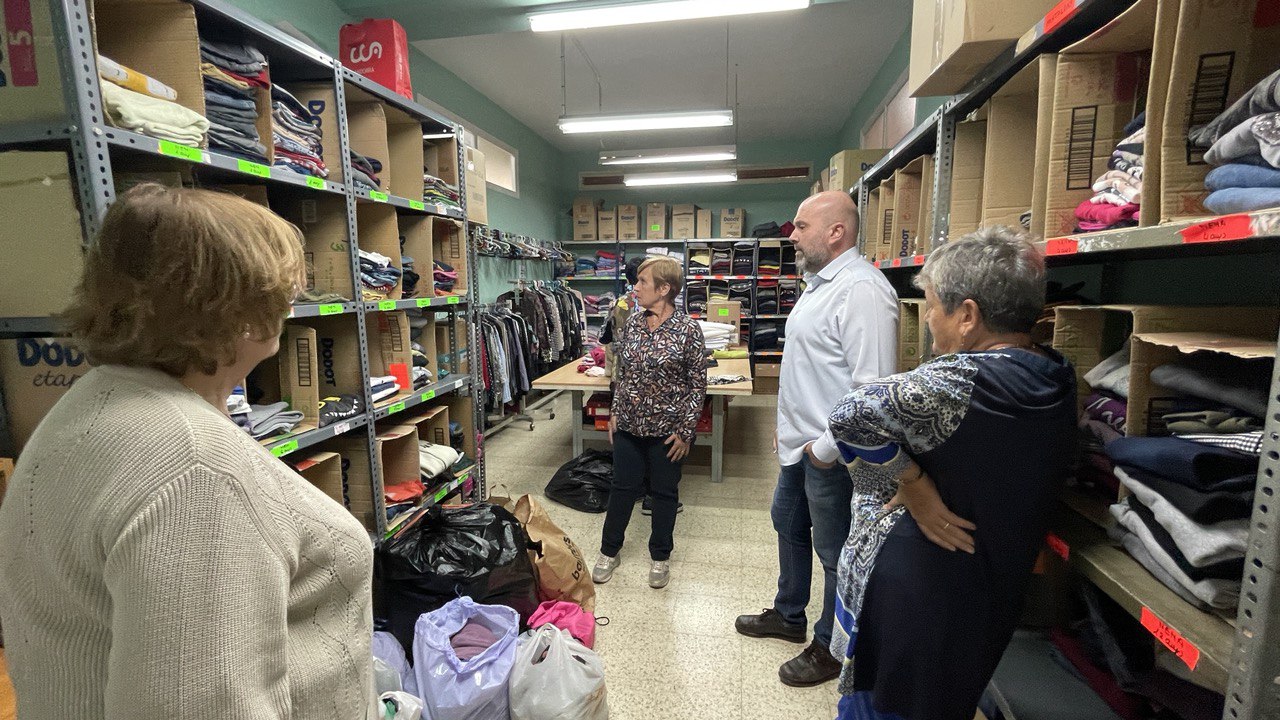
(659, 574)
(604, 568)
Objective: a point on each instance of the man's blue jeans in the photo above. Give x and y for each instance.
(810, 512)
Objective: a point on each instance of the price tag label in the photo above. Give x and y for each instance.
(1170, 638)
(186, 152)
(315, 182)
(723, 312)
(379, 196)
(395, 408)
(1058, 546)
(418, 205)
(428, 395)
(454, 300)
(387, 305)
(1219, 229)
(331, 309)
(253, 168)
(919, 259)
(424, 302)
(655, 228)
(285, 449)
(341, 428)
(897, 262)
(445, 211)
(1062, 246)
(1058, 15)
(444, 492)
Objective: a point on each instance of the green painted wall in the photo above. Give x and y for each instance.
(882, 84)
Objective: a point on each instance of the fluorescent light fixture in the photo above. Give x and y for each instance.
(651, 12)
(669, 155)
(437, 136)
(700, 177)
(645, 121)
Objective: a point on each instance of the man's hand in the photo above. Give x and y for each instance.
(775, 441)
(679, 448)
(613, 425)
(943, 527)
(813, 459)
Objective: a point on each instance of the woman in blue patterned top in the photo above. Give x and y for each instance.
(959, 464)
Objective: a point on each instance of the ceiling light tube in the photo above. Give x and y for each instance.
(700, 177)
(669, 155)
(571, 125)
(652, 12)
(438, 136)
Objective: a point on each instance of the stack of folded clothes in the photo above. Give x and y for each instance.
(740, 290)
(699, 260)
(274, 419)
(769, 261)
(297, 135)
(445, 277)
(717, 336)
(767, 297)
(142, 104)
(364, 171)
(232, 74)
(436, 192)
(718, 290)
(584, 267)
(130, 79)
(696, 296)
(789, 260)
(722, 261)
(744, 258)
(1117, 201)
(788, 294)
(599, 304)
(1244, 143)
(421, 377)
(382, 387)
(764, 335)
(435, 460)
(408, 277)
(377, 275)
(607, 263)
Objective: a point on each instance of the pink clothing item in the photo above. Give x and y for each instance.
(1105, 214)
(569, 617)
(472, 640)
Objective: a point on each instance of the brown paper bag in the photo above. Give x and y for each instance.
(562, 570)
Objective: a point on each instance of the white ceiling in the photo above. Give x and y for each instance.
(799, 73)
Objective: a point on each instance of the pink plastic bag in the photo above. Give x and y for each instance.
(566, 616)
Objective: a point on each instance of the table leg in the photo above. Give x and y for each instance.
(575, 419)
(717, 438)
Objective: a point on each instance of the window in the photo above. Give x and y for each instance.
(502, 162)
(892, 120)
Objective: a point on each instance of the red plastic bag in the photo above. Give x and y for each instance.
(378, 49)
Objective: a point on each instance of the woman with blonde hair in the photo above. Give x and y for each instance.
(158, 562)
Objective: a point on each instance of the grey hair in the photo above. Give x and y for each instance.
(996, 267)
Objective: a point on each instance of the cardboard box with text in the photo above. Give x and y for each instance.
(477, 190)
(607, 224)
(733, 222)
(967, 167)
(655, 221)
(703, 228)
(847, 166)
(953, 40)
(586, 219)
(628, 222)
(35, 373)
(684, 220)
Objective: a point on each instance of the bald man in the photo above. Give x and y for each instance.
(842, 333)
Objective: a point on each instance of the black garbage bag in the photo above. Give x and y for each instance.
(583, 483)
(478, 550)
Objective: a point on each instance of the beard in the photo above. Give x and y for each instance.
(811, 262)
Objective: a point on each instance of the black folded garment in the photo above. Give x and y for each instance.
(766, 230)
(340, 407)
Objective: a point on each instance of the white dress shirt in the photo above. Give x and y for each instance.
(843, 332)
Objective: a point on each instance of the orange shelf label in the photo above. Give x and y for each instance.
(1062, 246)
(1058, 15)
(919, 259)
(1058, 545)
(897, 262)
(1219, 229)
(1170, 638)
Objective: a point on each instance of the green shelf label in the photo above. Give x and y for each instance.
(379, 196)
(186, 152)
(331, 309)
(315, 182)
(387, 305)
(444, 492)
(285, 449)
(395, 408)
(424, 302)
(454, 299)
(655, 228)
(724, 312)
(418, 205)
(428, 395)
(253, 168)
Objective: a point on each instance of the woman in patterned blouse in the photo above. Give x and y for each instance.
(958, 464)
(660, 381)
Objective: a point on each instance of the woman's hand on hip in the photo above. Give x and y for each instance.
(679, 447)
(943, 527)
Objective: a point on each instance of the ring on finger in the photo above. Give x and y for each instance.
(944, 527)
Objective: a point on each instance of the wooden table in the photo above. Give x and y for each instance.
(578, 384)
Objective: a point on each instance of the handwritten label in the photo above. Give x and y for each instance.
(341, 428)
(285, 449)
(395, 408)
(186, 152)
(454, 299)
(444, 492)
(379, 196)
(1058, 15)
(1219, 229)
(445, 211)
(1170, 638)
(1058, 545)
(1062, 246)
(418, 205)
(424, 302)
(387, 305)
(253, 168)
(428, 395)
(331, 309)
(315, 183)
(723, 312)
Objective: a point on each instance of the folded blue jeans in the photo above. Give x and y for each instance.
(1242, 199)
(1240, 175)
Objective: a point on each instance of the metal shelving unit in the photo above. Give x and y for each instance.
(96, 147)
(1240, 654)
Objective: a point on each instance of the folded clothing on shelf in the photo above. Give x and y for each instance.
(721, 261)
(153, 117)
(434, 460)
(364, 170)
(232, 74)
(383, 387)
(444, 275)
(130, 79)
(274, 419)
(297, 135)
(1223, 379)
(335, 408)
(377, 275)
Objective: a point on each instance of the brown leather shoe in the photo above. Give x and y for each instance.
(813, 666)
(769, 624)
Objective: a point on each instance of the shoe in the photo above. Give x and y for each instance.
(659, 574)
(813, 666)
(770, 624)
(603, 571)
(646, 508)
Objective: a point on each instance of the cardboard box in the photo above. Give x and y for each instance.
(416, 231)
(1101, 83)
(6, 472)
(448, 247)
(299, 372)
(157, 38)
(390, 344)
(1209, 69)
(406, 157)
(323, 221)
(628, 222)
(815, 188)
(31, 90)
(1010, 153)
(1087, 335)
(607, 224)
(398, 456)
(924, 233)
(953, 40)
(765, 377)
(912, 344)
(848, 166)
(38, 182)
(477, 190)
(967, 167)
(432, 424)
(324, 470)
(703, 228)
(396, 450)
(732, 222)
(443, 348)
(462, 410)
(322, 102)
(885, 246)
(655, 221)
(379, 230)
(824, 179)
(1048, 79)
(35, 374)
(871, 235)
(906, 208)
(684, 220)
(586, 219)
(338, 356)
(441, 159)
(725, 311)
(367, 132)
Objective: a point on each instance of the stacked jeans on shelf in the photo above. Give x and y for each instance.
(364, 171)
(584, 267)
(297, 135)
(1117, 201)
(378, 276)
(232, 75)
(1243, 142)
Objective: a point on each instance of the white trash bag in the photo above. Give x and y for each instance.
(557, 678)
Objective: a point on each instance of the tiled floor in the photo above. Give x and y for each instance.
(673, 653)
